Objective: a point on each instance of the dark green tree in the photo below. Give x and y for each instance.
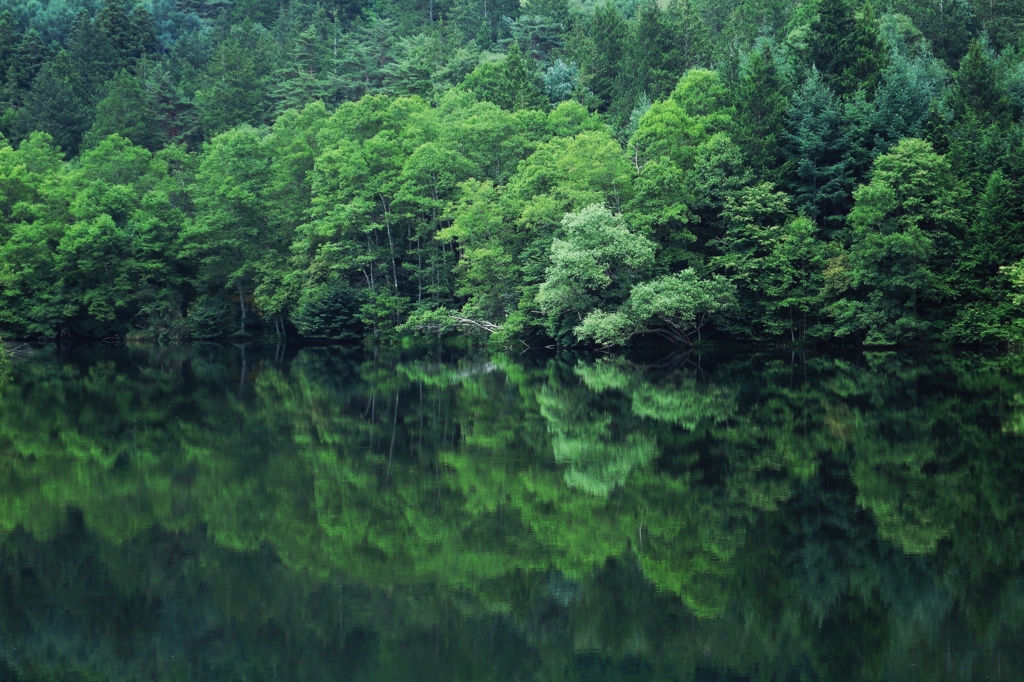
(512, 83)
(609, 33)
(53, 105)
(127, 110)
(818, 147)
(235, 87)
(25, 61)
(979, 89)
(846, 48)
(762, 100)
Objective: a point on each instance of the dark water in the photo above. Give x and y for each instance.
(328, 514)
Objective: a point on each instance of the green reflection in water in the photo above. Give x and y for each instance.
(221, 513)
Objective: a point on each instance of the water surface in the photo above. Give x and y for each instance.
(221, 513)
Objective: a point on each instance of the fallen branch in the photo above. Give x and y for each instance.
(486, 326)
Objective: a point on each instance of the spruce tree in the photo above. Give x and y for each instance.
(609, 32)
(127, 110)
(117, 36)
(644, 69)
(846, 48)
(762, 101)
(28, 57)
(689, 44)
(302, 81)
(8, 41)
(142, 40)
(234, 89)
(53, 105)
(978, 88)
(817, 141)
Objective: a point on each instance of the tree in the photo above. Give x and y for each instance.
(594, 262)
(762, 100)
(54, 107)
(910, 89)
(25, 59)
(818, 143)
(302, 81)
(900, 239)
(846, 48)
(483, 20)
(230, 234)
(978, 88)
(645, 68)
(126, 110)
(673, 306)
(511, 83)
(234, 89)
(609, 33)
(688, 38)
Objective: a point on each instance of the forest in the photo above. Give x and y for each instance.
(524, 172)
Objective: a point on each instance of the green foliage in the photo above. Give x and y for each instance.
(594, 262)
(673, 306)
(846, 47)
(425, 155)
(900, 231)
(510, 83)
(328, 311)
(126, 110)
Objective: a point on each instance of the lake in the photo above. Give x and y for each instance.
(219, 512)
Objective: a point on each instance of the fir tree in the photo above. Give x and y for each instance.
(847, 49)
(127, 110)
(818, 147)
(978, 88)
(689, 45)
(302, 81)
(761, 105)
(53, 105)
(609, 32)
(27, 58)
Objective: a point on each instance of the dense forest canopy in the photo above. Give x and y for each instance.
(553, 171)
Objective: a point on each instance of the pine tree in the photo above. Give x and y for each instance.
(90, 53)
(978, 89)
(234, 88)
(847, 49)
(28, 57)
(609, 32)
(520, 86)
(117, 37)
(127, 110)
(365, 56)
(1002, 21)
(645, 71)
(301, 81)
(948, 25)
(689, 44)
(482, 20)
(8, 40)
(53, 105)
(538, 35)
(142, 40)
(910, 88)
(761, 105)
(177, 115)
(818, 148)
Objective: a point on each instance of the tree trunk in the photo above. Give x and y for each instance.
(241, 303)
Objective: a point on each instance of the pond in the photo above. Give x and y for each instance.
(325, 513)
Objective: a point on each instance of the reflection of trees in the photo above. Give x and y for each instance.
(821, 516)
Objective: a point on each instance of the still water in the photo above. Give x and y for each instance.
(227, 513)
